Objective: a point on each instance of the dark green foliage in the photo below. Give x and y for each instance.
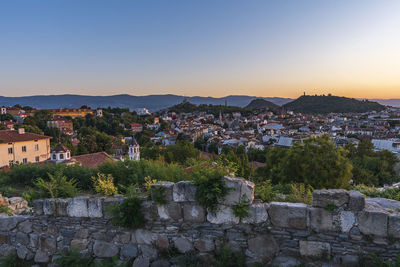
(189, 260)
(327, 104)
(186, 107)
(74, 258)
(224, 257)
(6, 210)
(180, 152)
(265, 191)
(210, 187)
(157, 194)
(128, 213)
(241, 210)
(261, 104)
(373, 260)
(12, 260)
(317, 163)
(169, 252)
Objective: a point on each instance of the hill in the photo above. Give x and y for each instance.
(187, 107)
(327, 104)
(260, 103)
(152, 102)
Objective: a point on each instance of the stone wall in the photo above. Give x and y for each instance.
(338, 228)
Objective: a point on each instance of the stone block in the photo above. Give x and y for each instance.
(38, 207)
(373, 223)
(321, 219)
(129, 251)
(107, 204)
(170, 211)
(286, 261)
(247, 191)
(141, 262)
(258, 213)
(290, 215)
(41, 257)
(347, 220)
(336, 197)
(193, 213)
(356, 201)
(183, 245)
(160, 263)
(394, 225)
(235, 187)
(149, 251)
(150, 211)
(144, 237)
(263, 248)
(162, 242)
(49, 206)
(224, 214)
(204, 245)
(95, 207)
(48, 244)
(314, 249)
(103, 249)
(25, 227)
(78, 207)
(79, 244)
(61, 207)
(22, 252)
(22, 238)
(168, 189)
(184, 191)
(9, 223)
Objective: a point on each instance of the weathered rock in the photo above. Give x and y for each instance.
(95, 207)
(48, 243)
(22, 252)
(204, 245)
(349, 260)
(41, 257)
(193, 213)
(356, 201)
(184, 191)
(144, 237)
(160, 263)
(150, 211)
(168, 190)
(247, 191)
(224, 214)
(22, 238)
(283, 261)
(49, 206)
(107, 204)
(6, 249)
(382, 204)
(104, 249)
(141, 262)
(347, 220)
(170, 211)
(38, 206)
(82, 234)
(234, 185)
(314, 249)
(9, 223)
(336, 197)
(79, 244)
(373, 223)
(321, 219)
(162, 242)
(148, 251)
(394, 225)
(129, 251)
(263, 248)
(284, 214)
(258, 213)
(183, 245)
(25, 227)
(78, 207)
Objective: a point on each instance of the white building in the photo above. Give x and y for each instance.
(134, 149)
(60, 153)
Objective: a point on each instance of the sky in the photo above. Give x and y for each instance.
(201, 47)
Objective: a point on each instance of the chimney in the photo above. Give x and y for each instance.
(21, 130)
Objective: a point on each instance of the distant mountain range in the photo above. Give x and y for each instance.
(152, 102)
(326, 104)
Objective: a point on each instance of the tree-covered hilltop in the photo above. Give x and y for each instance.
(327, 104)
(186, 107)
(261, 104)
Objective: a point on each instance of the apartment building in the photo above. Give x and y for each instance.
(23, 147)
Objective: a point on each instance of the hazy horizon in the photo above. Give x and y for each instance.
(206, 48)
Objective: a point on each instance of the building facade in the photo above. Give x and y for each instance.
(22, 147)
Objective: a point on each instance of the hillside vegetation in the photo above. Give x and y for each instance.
(327, 104)
(261, 104)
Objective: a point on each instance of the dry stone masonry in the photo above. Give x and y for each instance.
(339, 227)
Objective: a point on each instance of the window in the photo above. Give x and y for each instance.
(11, 162)
(36, 147)
(24, 160)
(68, 155)
(37, 158)
(61, 156)
(54, 156)
(10, 150)
(24, 149)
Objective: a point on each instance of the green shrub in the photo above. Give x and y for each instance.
(57, 187)
(74, 258)
(7, 191)
(224, 257)
(210, 187)
(241, 209)
(6, 210)
(265, 191)
(300, 193)
(104, 185)
(157, 194)
(128, 213)
(12, 260)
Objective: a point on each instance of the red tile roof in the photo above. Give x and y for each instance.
(9, 136)
(93, 160)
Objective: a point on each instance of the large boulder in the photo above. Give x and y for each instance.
(263, 248)
(183, 245)
(290, 215)
(258, 213)
(321, 220)
(224, 214)
(170, 211)
(95, 207)
(335, 197)
(78, 207)
(184, 191)
(104, 249)
(193, 213)
(372, 222)
(240, 190)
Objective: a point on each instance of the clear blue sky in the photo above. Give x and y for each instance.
(207, 47)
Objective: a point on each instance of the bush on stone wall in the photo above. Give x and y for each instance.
(128, 213)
